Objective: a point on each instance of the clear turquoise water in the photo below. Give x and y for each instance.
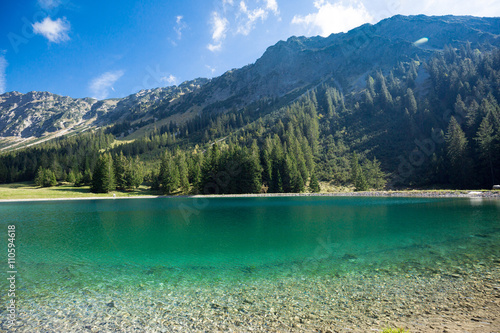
(88, 243)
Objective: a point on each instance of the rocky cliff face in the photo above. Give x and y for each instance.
(289, 66)
(36, 114)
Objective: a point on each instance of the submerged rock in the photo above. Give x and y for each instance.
(349, 256)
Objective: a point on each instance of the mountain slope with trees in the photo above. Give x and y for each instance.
(368, 109)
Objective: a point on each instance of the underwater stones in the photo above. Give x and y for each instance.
(349, 256)
(360, 302)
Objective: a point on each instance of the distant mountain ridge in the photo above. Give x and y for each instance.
(284, 71)
(39, 114)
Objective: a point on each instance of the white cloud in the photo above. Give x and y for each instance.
(179, 26)
(211, 69)
(214, 47)
(49, 4)
(101, 85)
(169, 79)
(334, 18)
(241, 16)
(248, 17)
(219, 27)
(219, 30)
(272, 5)
(381, 9)
(55, 31)
(454, 7)
(3, 80)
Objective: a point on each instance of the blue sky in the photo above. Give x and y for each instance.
(108, 48)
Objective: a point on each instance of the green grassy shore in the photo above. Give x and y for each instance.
(29, 191)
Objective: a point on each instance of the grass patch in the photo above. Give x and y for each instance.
(119, 142)
(327, 187)
(28, 190)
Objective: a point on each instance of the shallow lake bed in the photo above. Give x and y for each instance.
(284, 263)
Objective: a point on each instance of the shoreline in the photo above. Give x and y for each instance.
(483, 194)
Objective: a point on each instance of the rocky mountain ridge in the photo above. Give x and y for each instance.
(284, 71)
(38, 114)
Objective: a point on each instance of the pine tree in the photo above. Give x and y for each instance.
(457, 153)
(134, 174)
(290, 169)
(78, 179)
(255, 172)
(51, 177)
(460, 108)
(370, 85)
(71, 177)
(314, 184)
(56, 169)
(277, 181)
(486, 141)
(299, 185)
(412, 102)
(119, 165)
(267, 169)
(357, 175)
(300, 159)
(209, 171)
(196, 172)
(45, 178)
(183, 172)
(361, 184)
(103, 179)
(39, 179)
(87, 177)
(368, 100)
(169, 174)
(155, 181)
(375, 178)
(329, 95)
(383, 92)
(278, 162)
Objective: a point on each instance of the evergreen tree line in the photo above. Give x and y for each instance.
(75, 155)
(116, 173)
(231, 169)
(45, 178)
